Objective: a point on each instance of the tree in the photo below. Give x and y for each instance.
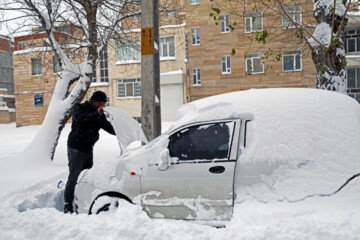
(323, 34)
(99, 21)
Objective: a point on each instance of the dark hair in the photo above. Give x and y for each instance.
(99, 96)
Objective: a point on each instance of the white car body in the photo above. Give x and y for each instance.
(171, 182)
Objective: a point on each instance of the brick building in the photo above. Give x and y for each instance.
(36, 71)
(214, 70)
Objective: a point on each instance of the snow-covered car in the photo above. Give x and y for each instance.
(256, 145)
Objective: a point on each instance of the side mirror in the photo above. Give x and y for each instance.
(164, 160)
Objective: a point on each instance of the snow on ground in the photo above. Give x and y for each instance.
(31, 205)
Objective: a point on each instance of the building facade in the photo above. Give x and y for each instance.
(7, 98)
(36, 70)
(119, 70)
(214, 68)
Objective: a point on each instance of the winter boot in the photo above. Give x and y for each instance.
(68, 208)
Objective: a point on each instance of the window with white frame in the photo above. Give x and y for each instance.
(253, 22)
(292, 60)
(167, 47)
(36, 66)
(195, 36)
(93, 79)
(128, 51)
(56, 65)
(294, 13)
(224, 24)
(254, 63)
(195, 1)
(196, 74)
(170, 13)
(226, 64)
(135, 18)
(104, 75)
(130, 87)
(353, 82)
(352, 40)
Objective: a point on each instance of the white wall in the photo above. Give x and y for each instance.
(172, 94)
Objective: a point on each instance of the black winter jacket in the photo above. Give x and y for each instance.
(86, 123)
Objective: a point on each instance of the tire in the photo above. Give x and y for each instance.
(107, 204)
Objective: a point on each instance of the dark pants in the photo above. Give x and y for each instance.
(78, 161)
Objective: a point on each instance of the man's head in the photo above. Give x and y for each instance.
(98, 99)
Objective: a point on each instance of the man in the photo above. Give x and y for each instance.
(87, 119)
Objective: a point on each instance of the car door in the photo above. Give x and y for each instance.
(198, 183)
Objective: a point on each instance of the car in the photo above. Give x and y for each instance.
(284, 144)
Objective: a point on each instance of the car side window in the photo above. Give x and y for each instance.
(202, 142)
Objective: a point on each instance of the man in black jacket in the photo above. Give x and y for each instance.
(87, 119)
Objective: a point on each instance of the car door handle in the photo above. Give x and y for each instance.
(217, 169)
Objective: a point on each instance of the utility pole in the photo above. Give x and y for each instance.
(150, 69)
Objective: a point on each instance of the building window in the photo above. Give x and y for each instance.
(128, 52)
(135, 18)
(104, 65)
(224, 24)
(294, 13)
(170, 13)
(356, 96)
(36, 66)
(129, 88)
(196, 72)
(352, 41)
(353, 82)
(292, 60)
(56, 65)
(93, 79)
(167, 47)
(353, 78)
(254, 63)
(226, 64)
(21, 46)
(195, 2)
(195, 35)
(253, 22)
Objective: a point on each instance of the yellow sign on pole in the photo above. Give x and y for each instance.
(147, 41)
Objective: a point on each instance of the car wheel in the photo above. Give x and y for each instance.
(107, 204)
